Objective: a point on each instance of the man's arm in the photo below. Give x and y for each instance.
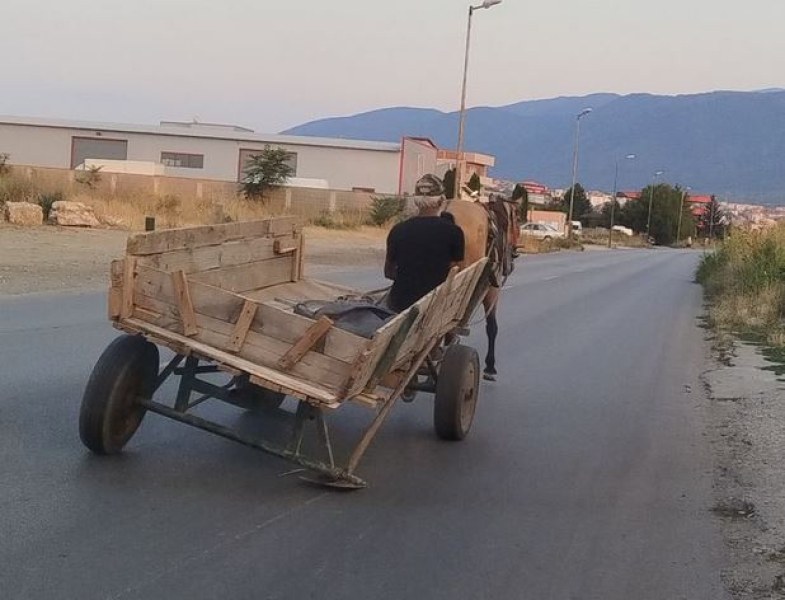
(390, 264)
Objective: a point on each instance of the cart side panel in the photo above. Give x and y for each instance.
(156, 242)
(216, 314)
(272, 319)
(440, 312)
(228, 254)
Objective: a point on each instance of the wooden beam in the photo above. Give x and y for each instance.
(315, 333)
(129, 267)
(242, 326)
(285, 245)
(183, 299)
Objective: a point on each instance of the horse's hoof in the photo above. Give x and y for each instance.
(488, 376)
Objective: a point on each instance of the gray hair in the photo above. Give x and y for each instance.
(428, 202)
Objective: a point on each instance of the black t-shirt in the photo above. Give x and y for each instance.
(422, 250)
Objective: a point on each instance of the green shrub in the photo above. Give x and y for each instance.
(384, 209)
(45, 201)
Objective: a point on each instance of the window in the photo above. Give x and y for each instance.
(182, 160)
(85, 148)
(246, 154)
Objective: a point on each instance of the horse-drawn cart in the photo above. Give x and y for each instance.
(224, 299)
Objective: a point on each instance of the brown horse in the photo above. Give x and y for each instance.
(488, 233)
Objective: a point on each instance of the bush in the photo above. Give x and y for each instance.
(745, 281)
(90, 177)
(45, 201)
(385, 208)
(337, 220)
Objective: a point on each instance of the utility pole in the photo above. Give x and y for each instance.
(578, 118)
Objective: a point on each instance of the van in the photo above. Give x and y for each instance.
(577, 228)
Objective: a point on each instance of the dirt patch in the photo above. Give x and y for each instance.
(748, 431)
(47, 259)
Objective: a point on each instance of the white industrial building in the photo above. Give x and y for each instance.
(214, 152)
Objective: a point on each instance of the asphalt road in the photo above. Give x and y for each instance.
(587, 474)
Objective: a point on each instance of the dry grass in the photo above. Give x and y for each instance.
(599, 237)
(745, 283)
(128, 209)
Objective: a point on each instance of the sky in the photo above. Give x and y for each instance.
(273, 64)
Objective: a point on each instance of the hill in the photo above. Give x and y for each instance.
(731, 144)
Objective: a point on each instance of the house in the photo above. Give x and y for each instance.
(216, 152)
(473, 163)
(539, 194)
(623, 197)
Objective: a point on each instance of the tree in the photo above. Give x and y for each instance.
(581, 206)
(605, 214)
(268, 169)
(712, 222)
(474, 184)
(520, 195)
(449, 184)
(665, 203)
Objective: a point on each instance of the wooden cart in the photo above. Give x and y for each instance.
(221, 298)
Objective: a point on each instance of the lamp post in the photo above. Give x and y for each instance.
(578, 118)
(462, 117)
(613, 198)
(651, 199)
(681, 213)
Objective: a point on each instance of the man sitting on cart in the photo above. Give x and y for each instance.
(422, 250)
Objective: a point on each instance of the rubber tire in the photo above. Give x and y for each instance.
(255, 397)
(110, 415)
(457, 389)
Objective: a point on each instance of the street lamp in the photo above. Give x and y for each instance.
(462, 117)
(681, 213)
(578, 118)
(613, 199)
(651, 198)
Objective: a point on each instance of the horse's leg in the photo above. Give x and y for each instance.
(491, 329)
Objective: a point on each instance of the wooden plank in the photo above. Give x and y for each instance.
(129, 268)
(284, 226)
(242, 326)
(367, 361)
(258, 348)
(114, 303)
(262, 374)
(184, 304)
(297, 263)
(228, 254)
(285, 245)
(117, 273)
(272, 319)
(315, 333)
(248, 276)
(156, 242)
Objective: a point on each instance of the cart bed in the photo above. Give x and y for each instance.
(221, 292)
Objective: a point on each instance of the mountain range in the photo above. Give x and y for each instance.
(731, 144)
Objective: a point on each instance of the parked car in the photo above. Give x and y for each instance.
(577, 228)
(541, 231)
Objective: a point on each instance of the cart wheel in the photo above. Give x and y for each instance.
(250, 396)
(110, 413)
(456, 392)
